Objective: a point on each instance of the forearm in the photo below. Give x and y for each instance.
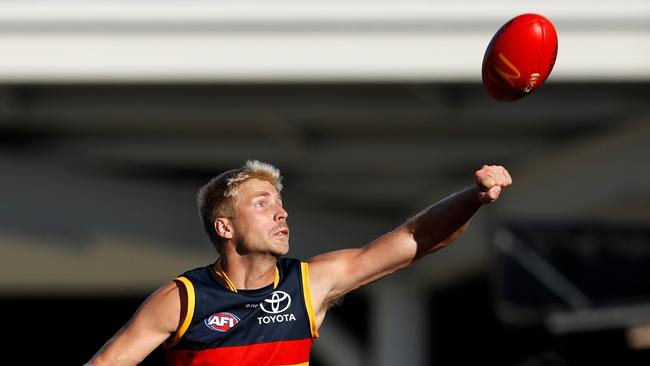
(443, 222)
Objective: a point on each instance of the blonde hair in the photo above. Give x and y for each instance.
(218, 197)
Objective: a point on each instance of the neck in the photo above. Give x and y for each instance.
(249, 272)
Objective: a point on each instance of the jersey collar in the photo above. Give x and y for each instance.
(227, 283)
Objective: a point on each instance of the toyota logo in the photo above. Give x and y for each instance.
(278, 302)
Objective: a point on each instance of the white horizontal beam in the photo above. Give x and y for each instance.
(197, 41)
(191, 11)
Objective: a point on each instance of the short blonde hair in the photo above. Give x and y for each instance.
(219, 196)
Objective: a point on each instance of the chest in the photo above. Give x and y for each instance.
(224, 318)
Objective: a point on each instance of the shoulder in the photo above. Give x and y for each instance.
(167, 299)
(172, 297)
(160, 312)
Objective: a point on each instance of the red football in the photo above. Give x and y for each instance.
(519, 57)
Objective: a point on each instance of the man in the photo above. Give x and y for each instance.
(252, 307)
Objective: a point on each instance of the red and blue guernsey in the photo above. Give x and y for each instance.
(270, 326)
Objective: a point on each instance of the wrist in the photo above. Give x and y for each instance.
(473, 196)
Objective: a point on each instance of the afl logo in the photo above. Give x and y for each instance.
(221, 322)
(278, 302)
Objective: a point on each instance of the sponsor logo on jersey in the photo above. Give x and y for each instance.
(278, 302)
(275, 304)
(278, 318)
(221, 322)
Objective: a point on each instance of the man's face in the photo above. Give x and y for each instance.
(260, 225)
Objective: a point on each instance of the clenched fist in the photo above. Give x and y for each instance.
(490, 180)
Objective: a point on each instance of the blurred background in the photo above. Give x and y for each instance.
(114, 113)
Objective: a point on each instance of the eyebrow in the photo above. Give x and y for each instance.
(265, 194)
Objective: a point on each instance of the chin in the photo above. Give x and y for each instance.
(282, 249)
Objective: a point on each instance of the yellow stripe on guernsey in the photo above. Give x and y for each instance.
(225, 280)
(189, 288)
(305, 289)
(277, 278)
(223, 277)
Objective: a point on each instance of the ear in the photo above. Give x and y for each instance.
(223, 227)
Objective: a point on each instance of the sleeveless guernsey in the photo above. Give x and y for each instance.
(270, 326)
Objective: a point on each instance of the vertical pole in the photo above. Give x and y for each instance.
(398, 323)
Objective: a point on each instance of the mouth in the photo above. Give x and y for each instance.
(284, 232)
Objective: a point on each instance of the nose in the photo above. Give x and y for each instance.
(280, 214)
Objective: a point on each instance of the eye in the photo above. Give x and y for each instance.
(260, 203)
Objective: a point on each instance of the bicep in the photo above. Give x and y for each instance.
(155, 320)
(336, 273)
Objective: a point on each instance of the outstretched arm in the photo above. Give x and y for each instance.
(333, 274)
(155, 320)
